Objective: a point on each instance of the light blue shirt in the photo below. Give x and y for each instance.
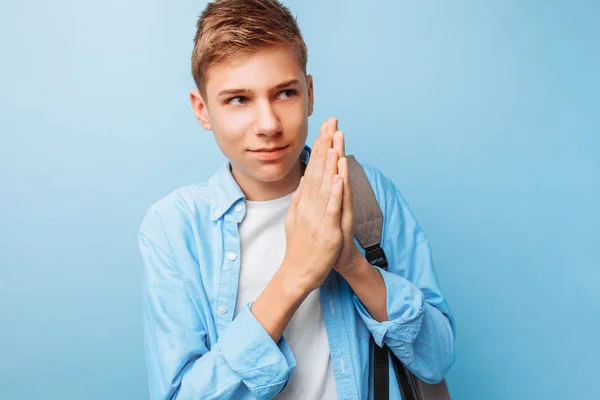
(195, 349)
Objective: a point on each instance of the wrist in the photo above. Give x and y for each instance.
(292, 285)
(277, 303)
(358, 268)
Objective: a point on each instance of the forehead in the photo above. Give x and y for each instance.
(258, 71)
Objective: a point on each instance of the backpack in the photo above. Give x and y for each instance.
(368, 224)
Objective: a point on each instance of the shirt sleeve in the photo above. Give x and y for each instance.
(420, 329)
(180, 366)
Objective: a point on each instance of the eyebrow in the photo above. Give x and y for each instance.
(242, 91)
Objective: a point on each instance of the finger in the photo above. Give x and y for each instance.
(324, 127)
(334, 206)
(314, 177)
(339, 143)
(332, 125)
(347, 205)
(330, 171)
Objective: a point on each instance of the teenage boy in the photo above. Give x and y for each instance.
(254, 284)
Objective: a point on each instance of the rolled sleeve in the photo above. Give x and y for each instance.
(404, 303)
(254, 355)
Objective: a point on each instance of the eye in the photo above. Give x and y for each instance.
(239, 100)
(286, 94)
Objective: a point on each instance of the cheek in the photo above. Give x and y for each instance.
(231, 124)
(296, 116)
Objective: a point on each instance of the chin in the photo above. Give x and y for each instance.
(272, 172)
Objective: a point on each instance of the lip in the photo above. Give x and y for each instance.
(269, 154)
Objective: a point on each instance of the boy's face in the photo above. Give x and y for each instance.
(258, 102)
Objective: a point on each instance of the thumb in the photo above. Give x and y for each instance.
(294, 201)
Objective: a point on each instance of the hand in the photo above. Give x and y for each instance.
(349, 253)
(313, 223)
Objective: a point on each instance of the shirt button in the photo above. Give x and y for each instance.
(231, 256)
(222, 310)
(238, 208)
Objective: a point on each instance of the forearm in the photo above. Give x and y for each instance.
(366, 281)
(276, 305)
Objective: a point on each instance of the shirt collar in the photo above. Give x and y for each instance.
(225, 191)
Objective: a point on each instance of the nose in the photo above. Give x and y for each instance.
(267, 122)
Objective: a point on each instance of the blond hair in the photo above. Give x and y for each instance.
(230, 29)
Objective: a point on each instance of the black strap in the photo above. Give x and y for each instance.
(380, 373)
(406, 380)
(376, 256)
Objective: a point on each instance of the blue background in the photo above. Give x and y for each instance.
(485, 114)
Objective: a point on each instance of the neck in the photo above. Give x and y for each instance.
(264, 191)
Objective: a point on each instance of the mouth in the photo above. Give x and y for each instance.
(268, 150)
(269, 153)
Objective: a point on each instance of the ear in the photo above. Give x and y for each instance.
(200, 109)
(311, 96)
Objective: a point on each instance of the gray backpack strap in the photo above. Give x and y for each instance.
(368, 218)
(368, 224)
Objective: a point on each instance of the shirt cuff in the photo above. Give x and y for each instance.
(404, 305)
(250, 351)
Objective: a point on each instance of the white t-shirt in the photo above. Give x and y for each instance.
(262, 241)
